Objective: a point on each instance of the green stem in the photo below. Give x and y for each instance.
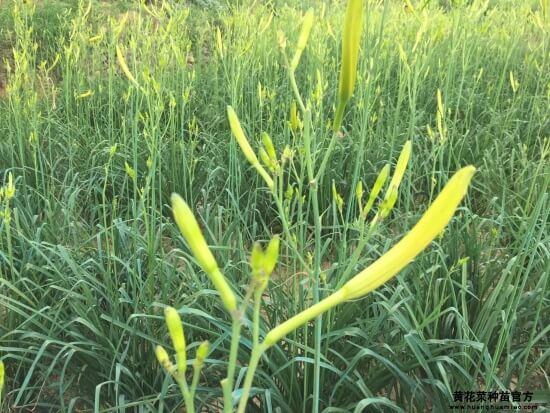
(187, 397)
(257, 352)
(227, 383)
(336, 128)
(195, 381)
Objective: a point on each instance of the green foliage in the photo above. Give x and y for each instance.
(90, 255)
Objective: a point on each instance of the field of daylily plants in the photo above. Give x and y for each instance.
(274, 206)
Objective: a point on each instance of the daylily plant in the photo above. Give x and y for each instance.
(430, 225)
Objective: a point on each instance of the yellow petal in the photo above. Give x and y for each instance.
(430, 225)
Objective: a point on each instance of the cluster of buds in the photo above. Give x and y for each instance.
(268, 155)
(263, 263)
(295, 123)
(7, 193)
(390, 196)
(175, 330)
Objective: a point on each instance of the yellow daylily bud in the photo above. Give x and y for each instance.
(337, 197)
(9, 190)
(219, 42)
(289, 192)
(193, 235)
(130, 171)
(245, 146)
(268, 145)
(164, 359)
(302, 40)
(263, 263)
(419, 237)
(124, 66)
(86, 94)
(440, 117)
(202, 352)
(175, 328)
(2, 374)
(295, 122)
(265, 158)
(271, 254)
(359, 193)
(428, 227)
(401, 165)
(256, 259)
(240, 136)
(389, 201)
(376, 188)
(351, 39)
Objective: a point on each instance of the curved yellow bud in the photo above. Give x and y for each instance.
(175, 328)
(428, 227)
(302, 40)
(245, 146)
(376, 188)
(124, 66)
(351, 40)
(193, 235)
(239, 135)
(269, 147)
(401, 165)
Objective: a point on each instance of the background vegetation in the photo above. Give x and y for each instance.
(89, 254)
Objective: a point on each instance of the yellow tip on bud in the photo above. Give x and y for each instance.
(175, 328)
(193, 235)
(302, 40)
